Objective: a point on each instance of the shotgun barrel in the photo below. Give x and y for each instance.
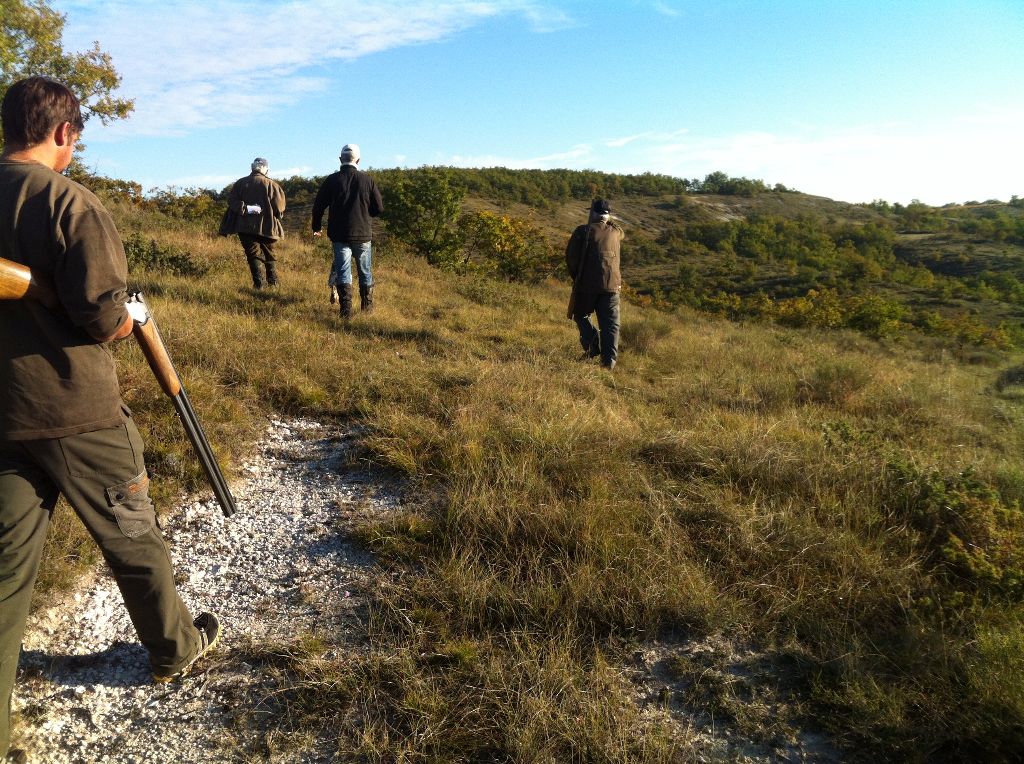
(18, 282)
(148, 336)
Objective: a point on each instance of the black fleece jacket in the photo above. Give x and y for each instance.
(353, 199)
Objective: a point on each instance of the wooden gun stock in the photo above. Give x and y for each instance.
(18, 282)
(152, 345)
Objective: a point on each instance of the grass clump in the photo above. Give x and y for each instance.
(461, 701)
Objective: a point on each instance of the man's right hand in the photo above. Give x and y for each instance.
(138, 311)
(317, 234)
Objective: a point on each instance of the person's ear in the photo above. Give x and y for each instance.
(64, 134)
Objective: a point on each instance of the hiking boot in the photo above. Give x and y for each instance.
(16, 756)
(271, 275)
(345, 298)
(366, 299)
(334, 294)
(256, 273)
(209, 633)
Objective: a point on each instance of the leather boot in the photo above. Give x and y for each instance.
(366, 298)
(271, 274)
(345, 298)
(257, 273)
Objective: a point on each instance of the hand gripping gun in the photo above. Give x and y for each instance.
(17, 282)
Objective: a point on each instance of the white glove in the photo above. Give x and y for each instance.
(138, 311)
(253, 209)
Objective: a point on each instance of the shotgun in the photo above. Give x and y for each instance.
(576, 276)
(18, 282)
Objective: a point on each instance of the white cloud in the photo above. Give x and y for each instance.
(290, 172)
(976, 156)
(213, 181)
(218, 181)
(937, 163)
(573, 157)
(193, 64)
(665, 9)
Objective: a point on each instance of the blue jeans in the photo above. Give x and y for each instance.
(342, 268)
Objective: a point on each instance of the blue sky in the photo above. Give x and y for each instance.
(853, 100)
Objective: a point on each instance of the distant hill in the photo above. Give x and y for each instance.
(735, 247)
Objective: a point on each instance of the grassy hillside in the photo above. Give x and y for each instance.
(948, 278)
(848, 507)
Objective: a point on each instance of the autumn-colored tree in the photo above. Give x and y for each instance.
(31, 44)
(506, 246)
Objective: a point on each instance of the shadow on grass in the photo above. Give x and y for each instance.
(426, 340)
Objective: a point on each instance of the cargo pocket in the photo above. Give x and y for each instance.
(131, 505)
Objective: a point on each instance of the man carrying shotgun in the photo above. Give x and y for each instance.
(592, 257)
(63, 426)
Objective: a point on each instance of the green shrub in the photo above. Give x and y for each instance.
(146, 254)
(972, 540)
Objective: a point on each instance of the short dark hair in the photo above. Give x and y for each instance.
(34, 107)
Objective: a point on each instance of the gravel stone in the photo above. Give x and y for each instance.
(281, 566)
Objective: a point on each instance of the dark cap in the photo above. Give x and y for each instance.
(600, 206)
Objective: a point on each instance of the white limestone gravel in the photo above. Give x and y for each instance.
(280, 566)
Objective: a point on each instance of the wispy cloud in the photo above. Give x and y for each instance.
(650, 136)
(666, 9)
(576, 156)
(193, 64)
(972, 157)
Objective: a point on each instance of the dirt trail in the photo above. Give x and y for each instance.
(281, 565)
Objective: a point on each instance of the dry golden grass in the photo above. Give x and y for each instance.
(785, 486)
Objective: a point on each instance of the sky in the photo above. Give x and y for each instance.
(852, 99)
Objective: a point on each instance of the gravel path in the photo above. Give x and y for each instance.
(281, 565)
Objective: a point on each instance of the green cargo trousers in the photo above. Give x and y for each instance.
(103, 477)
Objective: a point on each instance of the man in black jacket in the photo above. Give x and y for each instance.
(353, 200)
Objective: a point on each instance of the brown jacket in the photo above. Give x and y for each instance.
(56, 379)
(255, 188)
(592, 257)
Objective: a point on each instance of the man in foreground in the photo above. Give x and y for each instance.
(255, 208)
(353, 200)
(63, 426)
(592, 257)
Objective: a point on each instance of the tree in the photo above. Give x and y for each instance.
(421, 207)
(510, 247)
(30, 45)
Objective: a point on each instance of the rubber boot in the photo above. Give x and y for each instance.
(345, 298)
(271, 273)
(366, 298)
(257, 273)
